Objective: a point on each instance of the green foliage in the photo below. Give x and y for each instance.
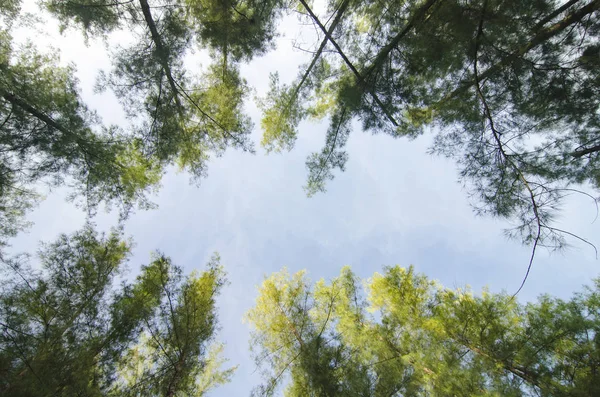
(47, 134)
(9, 9)
(13, 207)
(282, 113)
(96, 17)
(181, 118)
(409, 336)
(320, 165)
(511, 86)
(68, 329)
(218, 105)
(237, 28)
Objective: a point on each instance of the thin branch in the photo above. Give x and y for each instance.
(34, 112)
(337, 130)
(163, 283)
(329, 32)
(359, 77)
(6, 119)
(539, 38)
(27, 363)
(575, 236)
(594, 199)
(209, 117)
(113, 4)
(331, 304)
(274, 381)
(292, 326)
(385, 51)
(496, 136)
(158, 342)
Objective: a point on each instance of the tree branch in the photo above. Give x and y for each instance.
(332, 27)
(496, 135)
(554, 14)
(535, 41)
(360, 79)
(35, 113)
(385, 51)
(581, 153)
(337, 130)
(162, 52)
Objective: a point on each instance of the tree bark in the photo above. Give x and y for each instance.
(172, 388)
(35, 112)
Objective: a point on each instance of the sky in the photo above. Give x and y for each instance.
(394, 204)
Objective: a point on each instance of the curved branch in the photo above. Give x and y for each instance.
(496, 135)
(574, 236)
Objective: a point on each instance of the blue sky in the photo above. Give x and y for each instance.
(395, 204)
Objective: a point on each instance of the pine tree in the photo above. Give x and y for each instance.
(70, 329)
(408, 336)
(510, 86)
(48, 135)
(184, 118)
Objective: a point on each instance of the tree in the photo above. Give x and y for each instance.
(47, 134)
(510, 86)
(68, 329)
(408, 336)
(183, 118)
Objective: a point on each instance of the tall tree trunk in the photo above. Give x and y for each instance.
(174, 382)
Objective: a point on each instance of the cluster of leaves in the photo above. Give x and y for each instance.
(47, 134)
(70, 330)
(408, 336)
(511, 87)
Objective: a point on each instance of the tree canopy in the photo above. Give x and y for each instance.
(47, 133)
(69, 329)
(510, 89)
(405, 335)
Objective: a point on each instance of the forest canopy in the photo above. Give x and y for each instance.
(509, 90)
(406, 335)
(70, 328)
